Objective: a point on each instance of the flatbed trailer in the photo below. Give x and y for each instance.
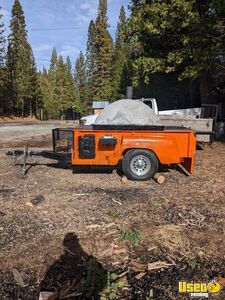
(139, 149)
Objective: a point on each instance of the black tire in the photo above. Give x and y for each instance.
(140, 164)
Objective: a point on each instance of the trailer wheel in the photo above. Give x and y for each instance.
(140, 164)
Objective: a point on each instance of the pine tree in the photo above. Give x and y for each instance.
(91, 54)
(2, 42)
(121, 32)
(104, 45)
(69, 65)
(2, 66)
(36, 100)
(121, 58)
(58, 88)
(54, 60)
(72, 89)
(65, 90)
(183, 37)
(80, 79)
(102, 17)
(47, 93)
(20, 64)
(48, 83)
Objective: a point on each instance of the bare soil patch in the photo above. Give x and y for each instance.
(13, 118)
(70, 241)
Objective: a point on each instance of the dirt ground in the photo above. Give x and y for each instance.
(12, 118)
(90, 236)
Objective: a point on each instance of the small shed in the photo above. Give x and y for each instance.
(98, 106)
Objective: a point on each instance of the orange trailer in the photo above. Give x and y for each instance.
(139, 149)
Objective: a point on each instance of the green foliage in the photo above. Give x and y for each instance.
(2, 41)
(185, 37)
(192, 263)
(58, 88)
(101, 75)
(132, 236)
(100, 284)
(112, 288)
(121, 57)
(91, 54)
(99, 57)
(113, 214)
(80, 78)
(22, 82)
(96, 280)
(2, 66)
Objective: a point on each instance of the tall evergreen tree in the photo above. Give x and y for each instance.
(44, 82)
(104, 46)
(65, 90)
(102, 17)
(48, 81)
(121, 58)
(54, 60)
(121, 32)
(20, 64)
(91, 54)
(69, 65)
(61, 92)
(2, 42)
(2, 66)
(58, 88)
(81, 81)
(35, 98)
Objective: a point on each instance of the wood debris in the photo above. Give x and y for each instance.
(158, 265)
(117, 202)
(81, 194)
(138, 267)
(64, 292)
(92, 226)
(45, 295)
(124, 179)
(159, 178)
(110, 251)
(120, 251)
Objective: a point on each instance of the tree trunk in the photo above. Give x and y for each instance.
(31, 112)
(23, 108)
(205, 88)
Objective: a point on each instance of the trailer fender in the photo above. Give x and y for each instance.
(165, 148)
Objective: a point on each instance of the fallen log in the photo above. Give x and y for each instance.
(159, 178)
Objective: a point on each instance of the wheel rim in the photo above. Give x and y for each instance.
(140, 165)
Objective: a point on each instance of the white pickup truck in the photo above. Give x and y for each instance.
(201, 119)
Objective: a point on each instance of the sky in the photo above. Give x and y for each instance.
(57, 14)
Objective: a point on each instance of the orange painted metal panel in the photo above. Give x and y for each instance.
(170, 146)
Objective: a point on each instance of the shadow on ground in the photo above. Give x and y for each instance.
(75, 275)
